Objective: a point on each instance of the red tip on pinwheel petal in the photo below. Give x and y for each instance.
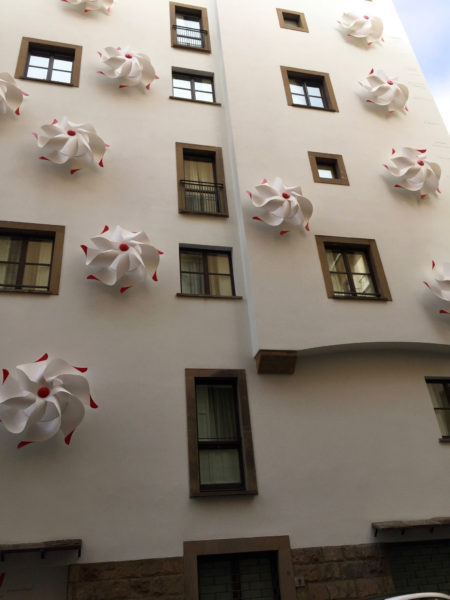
(155, 277)
(17, 111)
(406, 108)
(444, 312)
(43, 158)
(370, 43)
(108, 10)
(119, 48)
(35, 134)
(68, 437)
(390, 112)
(423, 196)
(124, 289)
(385, 166)
(284, 231)
(307, 226)
(107, 146)
(84, 248)
(438, 191)
(81, 369)
(100, 72)
(433, 264)
(422, 151)
(92, 277)
(92, 404)
(398, 186)
(371, 101)
(99, 53)
(86, 10)
(122, 86)
(5, 375)
(160, 252)
(22, 444)
(349, 35)
(256, 219)
(427, 284)
(393, 150)
(24, 93)
(54, 121)
(371, 72)
(382, 39)
(249, 193)
(73, 171)
(264, 181)
(43, 357)
(147, 87)
(105, 229)
(101, 163)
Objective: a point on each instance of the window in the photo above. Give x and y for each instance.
(30, 257)
(201, 180)
(439, 390)
(352, 268)
(206, 271)
(239, 569)
(221, 458)
(193, 85)
(49, 61)
(328, 168)
(292, 20)
(308, 89)
(189, 27)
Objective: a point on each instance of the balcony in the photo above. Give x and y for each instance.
(190, 37)
(203, 197)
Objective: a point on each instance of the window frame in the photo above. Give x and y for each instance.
(282, 12)
(189, 9)
(39, 229)
(249, 484)
(51, 47)
(279, 544)
(318, 78)
(334, 160)
(205, 250)
(207, 151)
(445, 381)
(192, 75)
(369, 246)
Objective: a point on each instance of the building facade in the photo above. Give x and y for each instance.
(271, 413)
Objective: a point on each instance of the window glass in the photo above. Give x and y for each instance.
(219, 466)
(61, 76)
(25, 263)
(39, 61)
(316, 102)
(326, 172)
(218, 263)
(37, 73)
(440, 397)
(50, 63)
(335, 261)
(358, 262)
(62, 65)
(182, 83)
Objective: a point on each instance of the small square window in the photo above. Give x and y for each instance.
(439, 390)
(193, 85)
(201, 180)
(189, 27)
(30, 257)
(352, 268)
(328, 168)
(206, 272)
(308, 89)
(220, 442)
(51, 62)
(292, 20)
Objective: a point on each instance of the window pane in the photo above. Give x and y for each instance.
(291, 20)
(438, 395)
(182, 83)
(296, 88)
(61, 76)
(257, 572)
(443, 418)
(181, 93)
(326, 172)
(364, 284)
(299, 100)
(218, 263)
(204, 97)
(203, 86)
(36, 275)
(358, 262)
(216, 412)
(190, 21)
(8, 274)
(340, 284)
(9, 248)
(316, 102)
(219, 466)
(335, 261)
(314, 91)
(39, 61)
(192, 284)
(37, 73)
(220, 285)
(199, 170)
(39, 252)
(210, 571)
(191, 262)
(62, 65)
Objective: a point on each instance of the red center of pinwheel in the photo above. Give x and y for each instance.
(366, 17)
(420, 162)
(128, 56)
(286, 195)
(390, 82)
(71, 132)
(43, 392)
(124, 247)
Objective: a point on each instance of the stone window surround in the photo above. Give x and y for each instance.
(199, 11)
(281, 12)
(335, 160)
(194, 73)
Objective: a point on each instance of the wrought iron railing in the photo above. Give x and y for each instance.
(188, 36)
(202, 197)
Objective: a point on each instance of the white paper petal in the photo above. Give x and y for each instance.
(385, 91)
(414, 172)
(11, 96)
(364, 27)
(129, 67)
(89, 5)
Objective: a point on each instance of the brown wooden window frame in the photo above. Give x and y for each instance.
(301, 19)
(369, 247)
(40, 231)
(336, 161)
(318, 78)
(210, 152)
(249, 485)
(51, 48)
(188, 9)
(192, 550)
(193, 76)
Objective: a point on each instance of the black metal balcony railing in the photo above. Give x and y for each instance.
(188, 36)
(202, 197)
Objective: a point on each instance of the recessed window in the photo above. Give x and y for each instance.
(51, 62)
(193, 85)
(328, 168)
(439, 390)
(292, 20)
(220, 441)
(201, 180)
(30, 257)
(352, 268)
(308, 89)
(206, 272)
(189, 27)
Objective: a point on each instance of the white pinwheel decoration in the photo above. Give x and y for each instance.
(45, 397)
(131, 67)
(90, 5)
(11, 96)
(384, 91)
(414, 172)
(122, 255)
(77, 142)
(441, 285)
(368, 28)
(281, 204)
